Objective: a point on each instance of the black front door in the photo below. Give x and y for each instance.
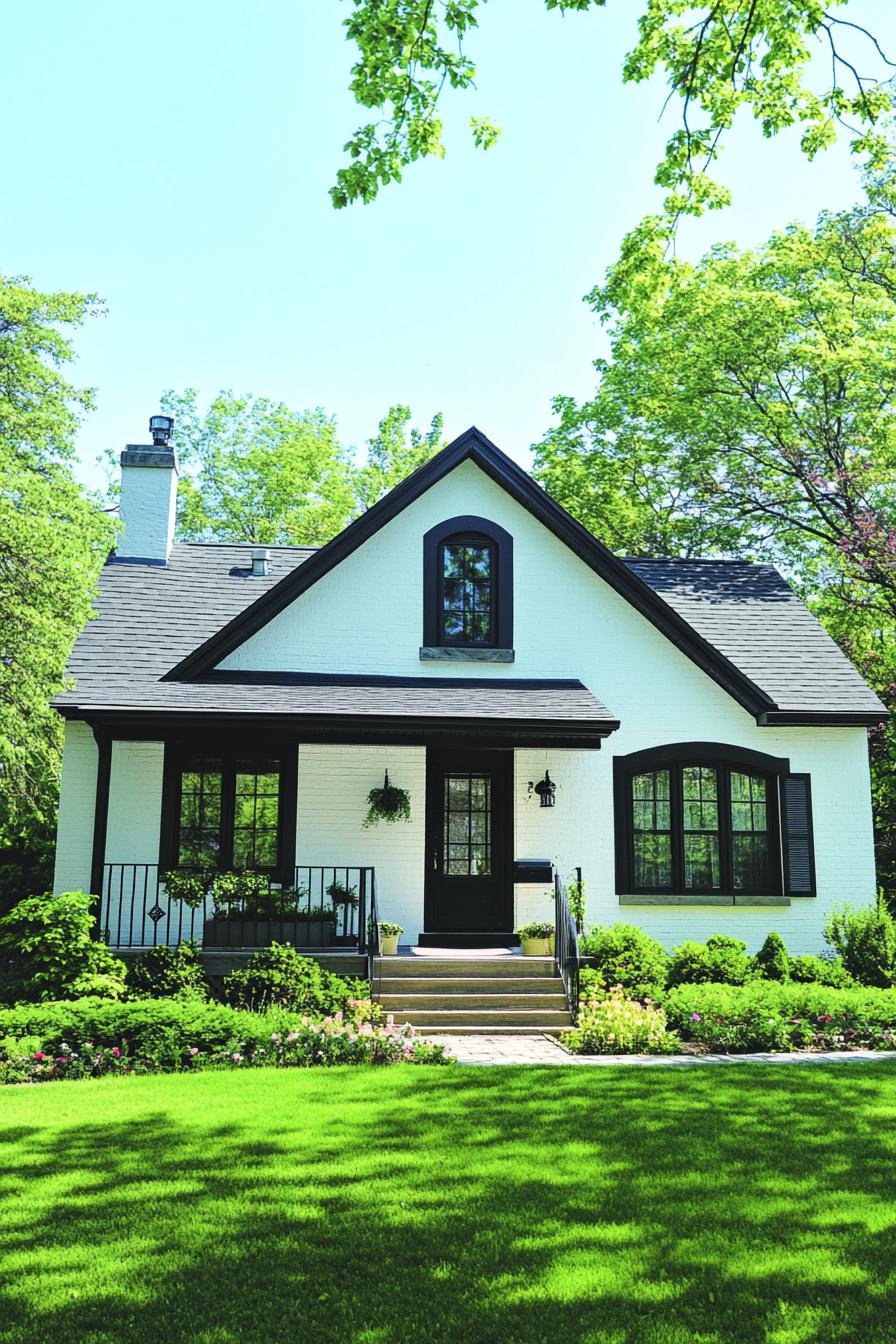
(469, 840)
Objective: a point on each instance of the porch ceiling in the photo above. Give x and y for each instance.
(343, 708)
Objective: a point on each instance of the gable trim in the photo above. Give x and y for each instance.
(475, 447)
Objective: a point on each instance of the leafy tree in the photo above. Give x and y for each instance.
(254, 470)
(747, 408)
(749, 401)
(718, 56)
(53, 540)
(393, 453)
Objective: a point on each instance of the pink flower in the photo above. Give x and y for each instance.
(39, 1054)
(237, 1058)
(116, 1052)
(194, 1049)
(695, 1017)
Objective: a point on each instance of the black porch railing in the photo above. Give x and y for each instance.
(566, 945)
(328, 906)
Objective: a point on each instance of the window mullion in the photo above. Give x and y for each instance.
(676, 821)
(228, 807)
(726, 841)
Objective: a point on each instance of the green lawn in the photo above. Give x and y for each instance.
(508, 1204)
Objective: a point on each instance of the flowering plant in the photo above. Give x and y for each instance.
(616, 1025)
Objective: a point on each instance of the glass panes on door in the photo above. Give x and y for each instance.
(467, 826)
(749, 832)
(652, 829)
(200, 813)
(255, 816)
(700, 807)
(467, 609)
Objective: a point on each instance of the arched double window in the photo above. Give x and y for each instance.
(705, 819)
(468, 585)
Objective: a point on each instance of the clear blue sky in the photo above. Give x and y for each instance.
(175, 159)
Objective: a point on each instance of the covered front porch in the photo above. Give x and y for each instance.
(236, 829)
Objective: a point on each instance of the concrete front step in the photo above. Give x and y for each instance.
(439, 1029)
(459, 966)
(469, 984)
(485, 1018)
(402, 1003)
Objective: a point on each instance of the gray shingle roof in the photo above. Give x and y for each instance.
(150, 617)
(755, 619)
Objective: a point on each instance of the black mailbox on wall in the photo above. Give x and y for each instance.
(533, 870)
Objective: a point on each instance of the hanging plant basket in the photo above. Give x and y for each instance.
(387, 804)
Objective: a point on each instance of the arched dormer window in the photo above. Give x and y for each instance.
(468, 590)
(706, 819)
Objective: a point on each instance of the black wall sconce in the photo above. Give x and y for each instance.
(546, 790)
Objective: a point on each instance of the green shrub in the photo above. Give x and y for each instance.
(615, 1025)
(720, 960)
(591, 984)
(167, 972)
(625, 955)
(279, 976)
(49, 944)
(810, 970)
(768, 1016)
(866, 940)
(89, 1038)
(772, 960)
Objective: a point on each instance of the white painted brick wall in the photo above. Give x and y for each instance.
(147, 510)
(334, 782)
(77, 798)
(135, 802)
(366, 616)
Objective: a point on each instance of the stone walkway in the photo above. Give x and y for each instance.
(545, 1050)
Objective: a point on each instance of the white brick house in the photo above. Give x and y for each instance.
(707, 741)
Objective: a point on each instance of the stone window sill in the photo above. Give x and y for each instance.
(456, 653)
(663, 899)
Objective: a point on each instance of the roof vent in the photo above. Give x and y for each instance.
(261, 561)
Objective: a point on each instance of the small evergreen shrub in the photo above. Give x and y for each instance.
(765, 1015)
(279, 976)
(809, 970)
(866, 941)
(168, 972)
(49, 950)
(720, 960)
(772, 960)
(615, 1025)
(625, 955)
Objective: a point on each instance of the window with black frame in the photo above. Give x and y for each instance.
(228, 812)
(701, 827)
(467, 591)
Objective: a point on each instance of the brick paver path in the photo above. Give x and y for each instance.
(545, 1050)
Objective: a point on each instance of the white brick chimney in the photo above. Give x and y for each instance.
(148, 496)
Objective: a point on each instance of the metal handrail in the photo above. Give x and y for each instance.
(373, 941)
(566, 947)
(136, 910)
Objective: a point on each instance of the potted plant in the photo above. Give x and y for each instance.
(248, 910)
(389, 935)
(387, 804)
(535, 938)
(345, 901)
(189, 885)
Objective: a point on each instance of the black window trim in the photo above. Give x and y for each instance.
(724, 759)
(468, 528)
(177, 754)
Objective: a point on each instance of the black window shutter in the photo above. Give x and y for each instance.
(796, 833)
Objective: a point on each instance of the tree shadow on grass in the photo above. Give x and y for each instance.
(400, 1206)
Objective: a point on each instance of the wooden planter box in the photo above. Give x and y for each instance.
(263, 932)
